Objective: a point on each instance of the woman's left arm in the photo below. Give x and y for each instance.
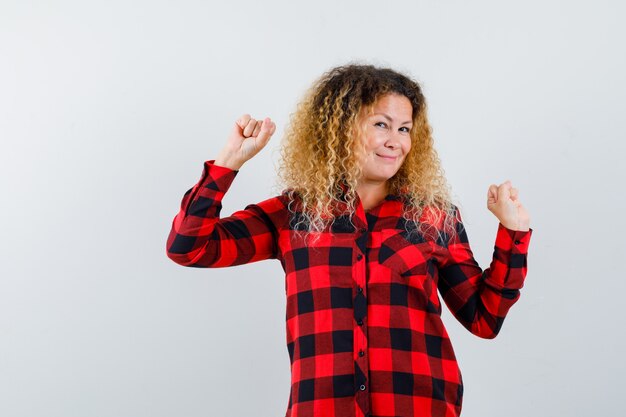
(480, 299)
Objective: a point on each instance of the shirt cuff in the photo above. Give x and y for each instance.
(515, 241)
(215, 179)
(220, 168)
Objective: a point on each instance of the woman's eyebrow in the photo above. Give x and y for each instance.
(386, 116)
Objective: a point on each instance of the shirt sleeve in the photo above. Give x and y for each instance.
(200, 238)
(481, 299)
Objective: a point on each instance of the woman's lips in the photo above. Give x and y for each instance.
(388, 158)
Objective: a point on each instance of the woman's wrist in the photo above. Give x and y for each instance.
(228, 163)
(521, 226)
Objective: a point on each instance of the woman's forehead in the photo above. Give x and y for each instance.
(388, 101)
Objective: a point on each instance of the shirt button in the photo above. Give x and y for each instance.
(517, 242)
(363, 230)
(362, 387)
(359, 257)
(361, 353)
(360, 289)
(359, 322)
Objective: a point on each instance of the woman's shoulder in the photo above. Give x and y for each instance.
(275, 204)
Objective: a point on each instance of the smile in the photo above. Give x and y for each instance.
(388, 158)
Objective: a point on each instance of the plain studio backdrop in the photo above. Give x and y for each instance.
(109, 109)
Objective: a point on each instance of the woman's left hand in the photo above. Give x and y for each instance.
(503, 202)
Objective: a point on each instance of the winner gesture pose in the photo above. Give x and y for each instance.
(371, 244)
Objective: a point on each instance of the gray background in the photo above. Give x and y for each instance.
(108, 110)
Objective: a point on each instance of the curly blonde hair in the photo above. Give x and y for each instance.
(319, 165)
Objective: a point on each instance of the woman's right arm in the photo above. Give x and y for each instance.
(198, 237)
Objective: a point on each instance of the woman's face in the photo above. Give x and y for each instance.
(386, 137)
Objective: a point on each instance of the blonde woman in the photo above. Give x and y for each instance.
(369, 239)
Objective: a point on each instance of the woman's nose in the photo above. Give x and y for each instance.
(392, 141)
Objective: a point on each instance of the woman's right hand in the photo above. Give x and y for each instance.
(247, 137)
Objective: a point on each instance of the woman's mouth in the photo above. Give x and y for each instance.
(388, 158)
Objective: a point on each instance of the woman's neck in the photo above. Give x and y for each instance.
(371, 194)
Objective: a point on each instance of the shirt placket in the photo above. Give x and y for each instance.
(361, 367)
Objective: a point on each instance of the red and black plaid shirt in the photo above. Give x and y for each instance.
(364, 330)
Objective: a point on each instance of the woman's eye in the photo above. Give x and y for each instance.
(407, 129)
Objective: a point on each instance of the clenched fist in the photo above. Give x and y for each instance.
(247, 137)
(503, 202)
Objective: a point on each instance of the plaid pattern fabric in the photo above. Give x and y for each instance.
(363, 322)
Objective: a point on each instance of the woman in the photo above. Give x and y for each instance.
(368, 237)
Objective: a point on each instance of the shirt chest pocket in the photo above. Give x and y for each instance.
(409, 259)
